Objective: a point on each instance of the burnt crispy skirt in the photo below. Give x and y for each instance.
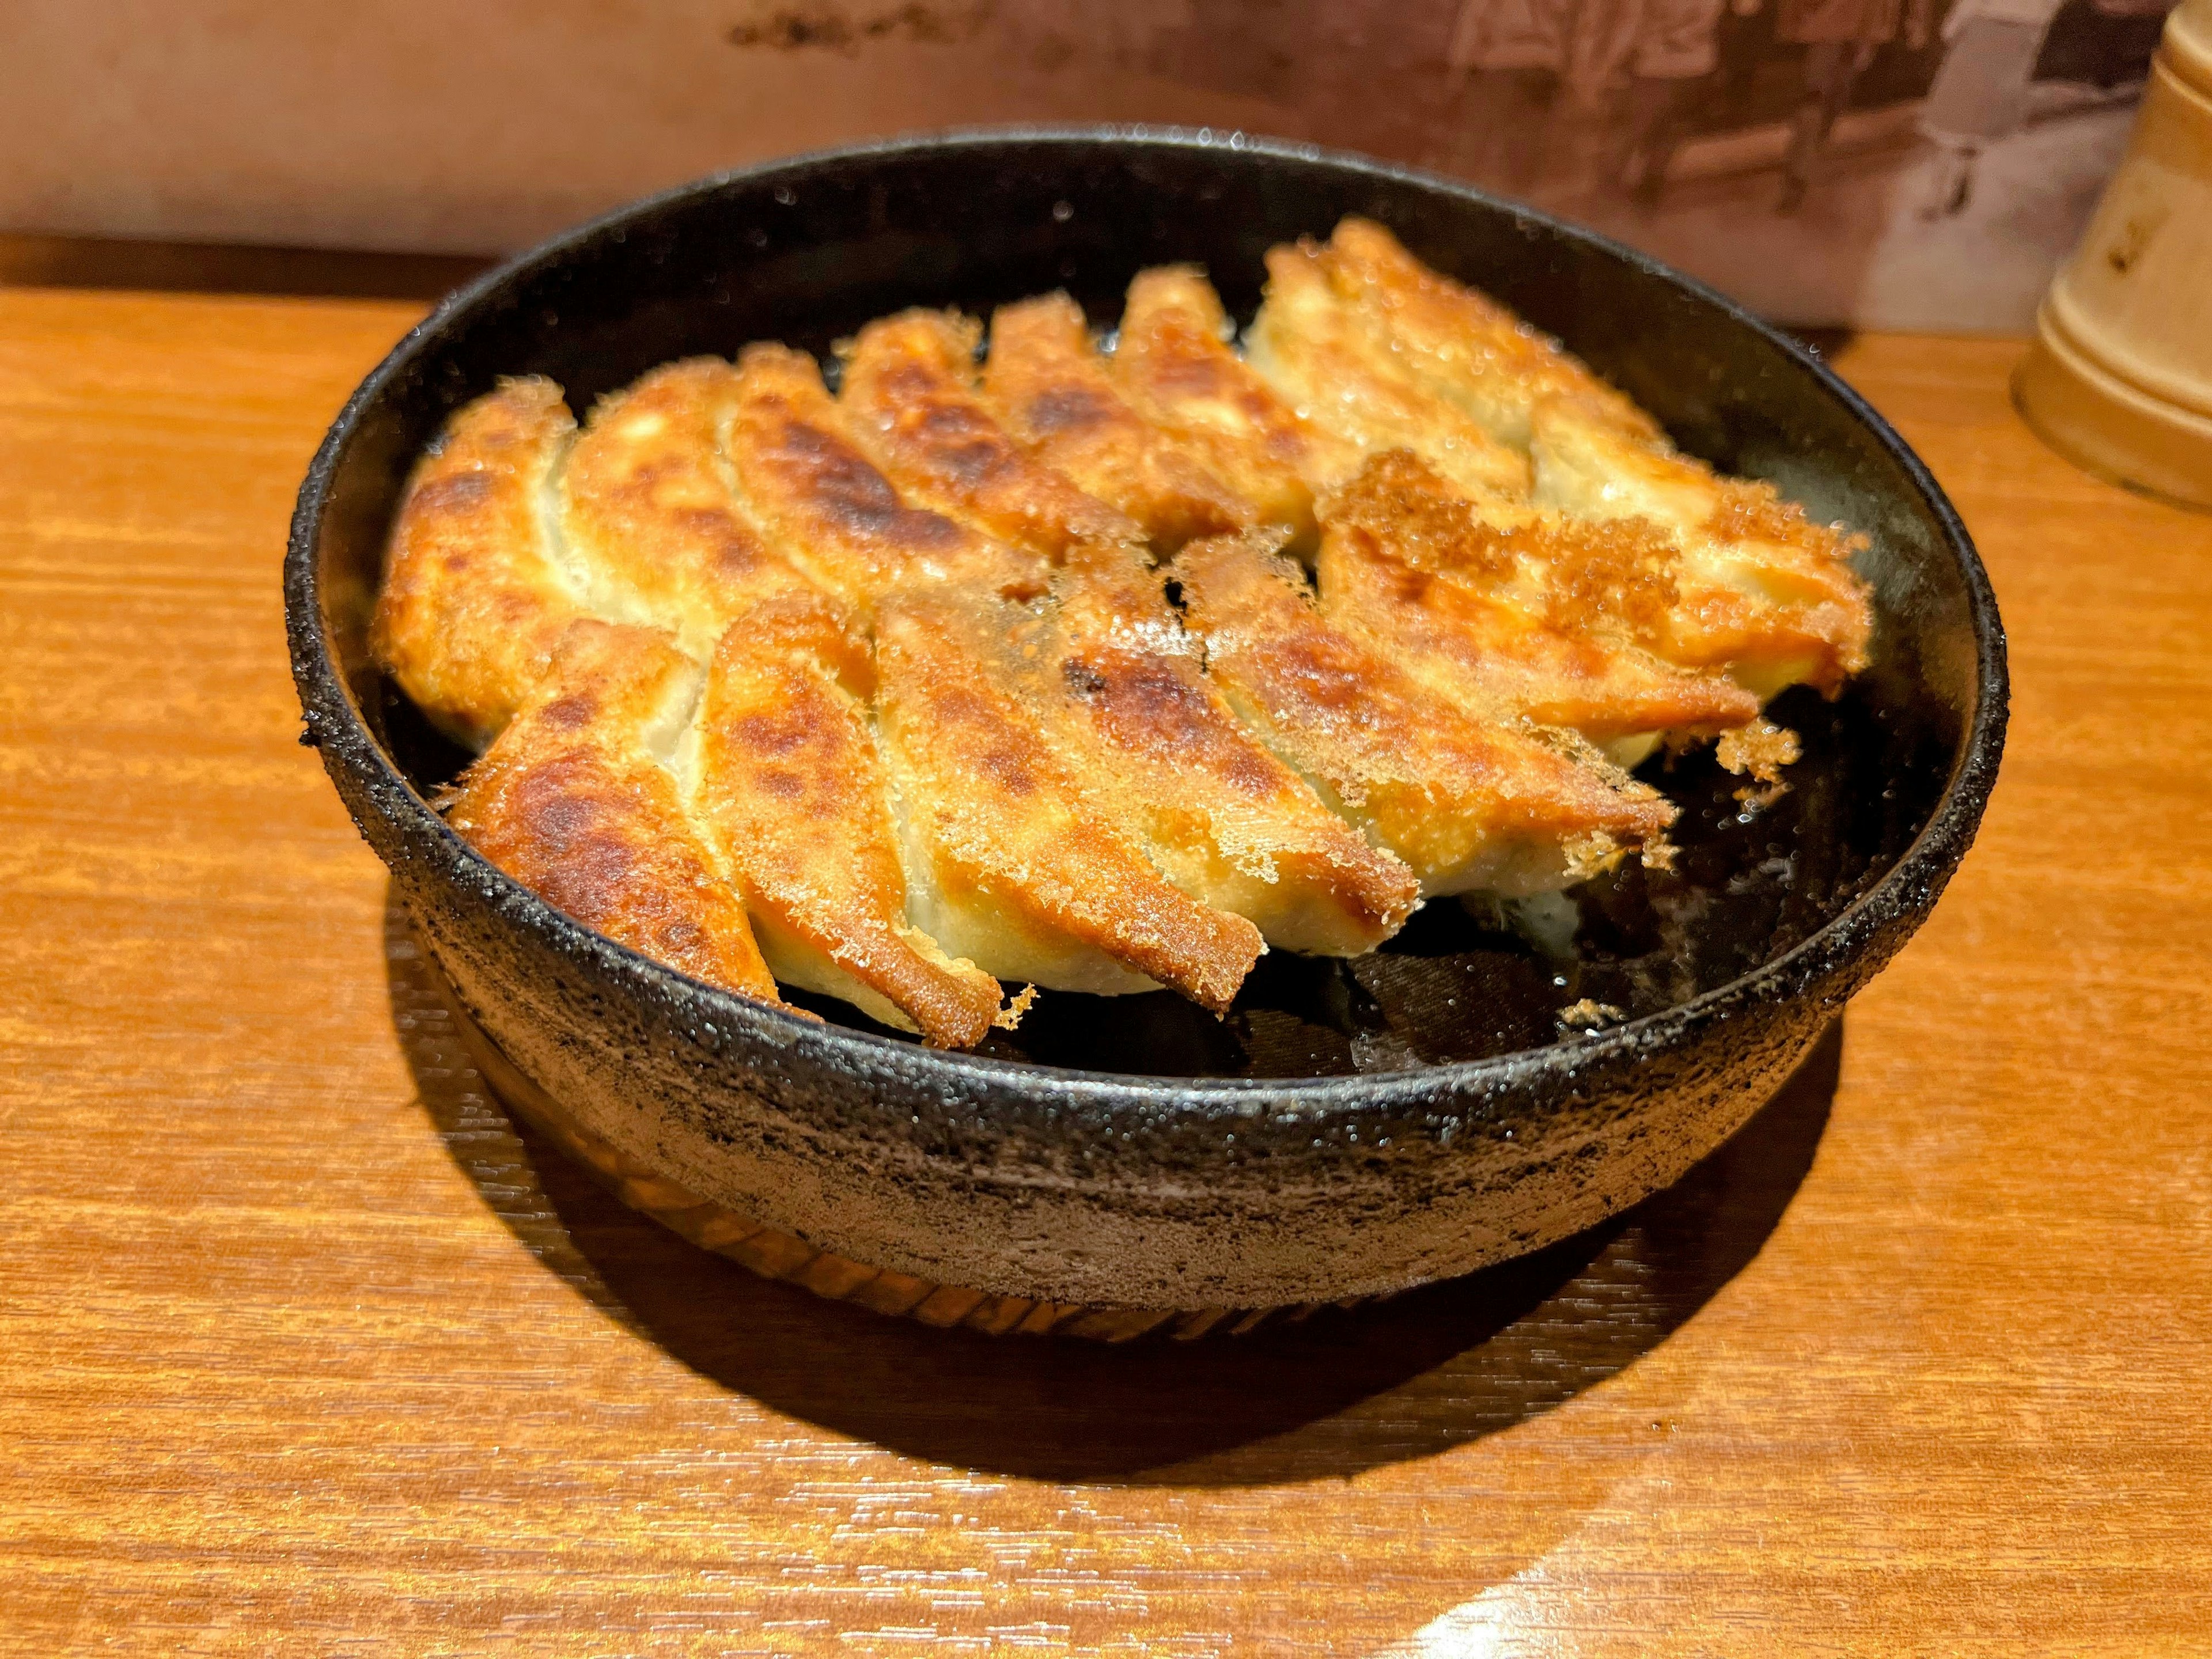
(1533, 622)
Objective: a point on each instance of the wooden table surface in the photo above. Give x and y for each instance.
(306, 1351)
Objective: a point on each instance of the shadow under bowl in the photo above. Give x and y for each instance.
(1353, 1128)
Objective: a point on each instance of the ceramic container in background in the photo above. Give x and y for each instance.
(2119, 379)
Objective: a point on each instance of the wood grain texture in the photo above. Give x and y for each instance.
(303, 1349)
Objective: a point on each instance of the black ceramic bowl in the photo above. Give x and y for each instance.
(1351, 1129)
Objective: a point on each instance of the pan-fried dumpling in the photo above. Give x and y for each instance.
(1468, 805)
(1051, 391)
(650, 523)
(1317, 353)
(1765, 594)
(1009, 861)
(1463, 344)
(791, 791)
(1173, 363)
(1502, 620)
(576, 801)
(909, 391)
(1228, 822)
(475, 595)
(804, 481)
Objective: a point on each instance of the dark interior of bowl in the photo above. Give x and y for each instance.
(807, 251)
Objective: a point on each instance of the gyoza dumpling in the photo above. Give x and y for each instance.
(1469, 805)
(802, 479)
(1227, 821)
(1008, 862)
(1011, 863)
(1764, 594)
(651, 527)
(1501, 618)
(1325, 363)
(576, 801)
(791, 791)
(475, 594)
(1173, 363)
(910, 388)
(1462, 343)
(1051, 391)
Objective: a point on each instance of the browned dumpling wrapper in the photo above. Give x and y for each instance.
(1463, 344)
(1324, 361)
(1174, 361)
(1048, 388)
(911, 390)
(649, 518)
(792, 793)
(803, 478)
(475, 594)
(1467, 804)
(1226, 819)
(576, 802)
(1763, 593)
(1009, 859)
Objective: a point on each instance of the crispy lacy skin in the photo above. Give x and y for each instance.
(911, 398)
(803, 480)
(573, 802)
(1317, 353)
(474, 596)
(1462, 343)
(1010, 862)
(1229, 823)
(792, 793)
(1764, 594)
(1174, 364)
(1052, 392)
(648, 518)
(1410, 567)
(1467, 804)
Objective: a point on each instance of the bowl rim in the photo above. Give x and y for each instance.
(333, 720)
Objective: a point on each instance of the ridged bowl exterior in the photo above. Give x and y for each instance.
(1083, 1187)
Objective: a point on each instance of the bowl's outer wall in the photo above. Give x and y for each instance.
(1073, 1187)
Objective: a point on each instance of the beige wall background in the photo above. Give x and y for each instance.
(478, 126)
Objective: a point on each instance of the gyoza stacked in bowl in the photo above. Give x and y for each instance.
(1011, 670)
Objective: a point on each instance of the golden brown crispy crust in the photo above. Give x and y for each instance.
(1462, 343)
(794, 796)
(474, 598)
(909, 390)
(805, 481)
(572, 802)
(1323, 359)
(1173, 363)
(1000, 810)
(1052, 392)
(1229, 822)
(1407, 564)
(648, 513)
(1764, 593)
(1466, 803)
